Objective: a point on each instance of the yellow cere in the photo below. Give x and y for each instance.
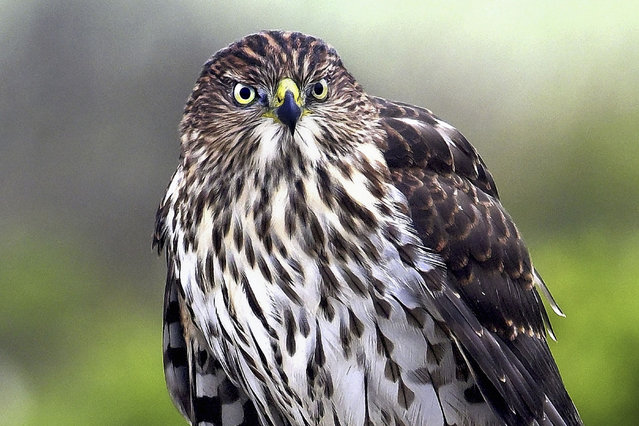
(284, 86)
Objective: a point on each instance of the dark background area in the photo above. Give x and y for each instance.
(90, 97)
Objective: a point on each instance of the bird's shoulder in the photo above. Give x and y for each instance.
(455, 208)
(417, 139)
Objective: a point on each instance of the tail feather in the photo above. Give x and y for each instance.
(176, 359)
(197, 383)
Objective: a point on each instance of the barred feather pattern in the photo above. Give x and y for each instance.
(198, 385)
(327, 276)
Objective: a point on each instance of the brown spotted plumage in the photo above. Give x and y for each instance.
(340, 259)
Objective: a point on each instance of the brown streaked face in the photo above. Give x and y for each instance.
(273, 88)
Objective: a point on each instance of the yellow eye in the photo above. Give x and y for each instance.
(243, 94)
(319, 90)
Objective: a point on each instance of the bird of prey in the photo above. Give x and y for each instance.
(335, 258)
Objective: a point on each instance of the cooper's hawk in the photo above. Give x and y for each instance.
(337, 258)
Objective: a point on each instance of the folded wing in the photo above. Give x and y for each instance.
(488, 298)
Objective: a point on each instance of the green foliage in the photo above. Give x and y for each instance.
(86, 354)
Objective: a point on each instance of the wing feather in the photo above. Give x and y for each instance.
(489, 300)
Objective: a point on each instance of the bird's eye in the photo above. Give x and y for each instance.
(319, 90)
(243, 94)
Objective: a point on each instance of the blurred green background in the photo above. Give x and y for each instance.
(90, 97)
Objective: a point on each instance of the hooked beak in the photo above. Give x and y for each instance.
(287, 103)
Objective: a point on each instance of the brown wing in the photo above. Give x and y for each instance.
(456, 210)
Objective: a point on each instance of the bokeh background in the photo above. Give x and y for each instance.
(90, 97)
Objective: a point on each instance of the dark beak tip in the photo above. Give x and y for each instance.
(289, 112)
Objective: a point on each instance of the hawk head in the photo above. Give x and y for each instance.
(274, 93)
